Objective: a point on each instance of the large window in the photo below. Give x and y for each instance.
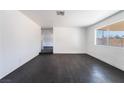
(111, 35)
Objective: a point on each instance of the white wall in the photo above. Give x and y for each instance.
(1, 20)
(20, 41)
(111, 55)
(0, 49)
(69, 40)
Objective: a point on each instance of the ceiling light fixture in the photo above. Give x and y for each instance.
(62, 13)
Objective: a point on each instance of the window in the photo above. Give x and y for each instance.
(111, 35)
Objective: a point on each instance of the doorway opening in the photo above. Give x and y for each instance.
(47, 41)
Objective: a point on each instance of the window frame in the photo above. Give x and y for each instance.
(106, 24)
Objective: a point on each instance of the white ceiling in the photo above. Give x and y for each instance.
(72, 18)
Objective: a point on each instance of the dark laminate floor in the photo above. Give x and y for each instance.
(65, 68)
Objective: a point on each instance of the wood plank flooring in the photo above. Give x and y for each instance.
(65, 68)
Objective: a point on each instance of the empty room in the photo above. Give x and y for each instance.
(61, 46)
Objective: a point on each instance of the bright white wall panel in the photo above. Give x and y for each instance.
(20, 40)
(69, 40)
